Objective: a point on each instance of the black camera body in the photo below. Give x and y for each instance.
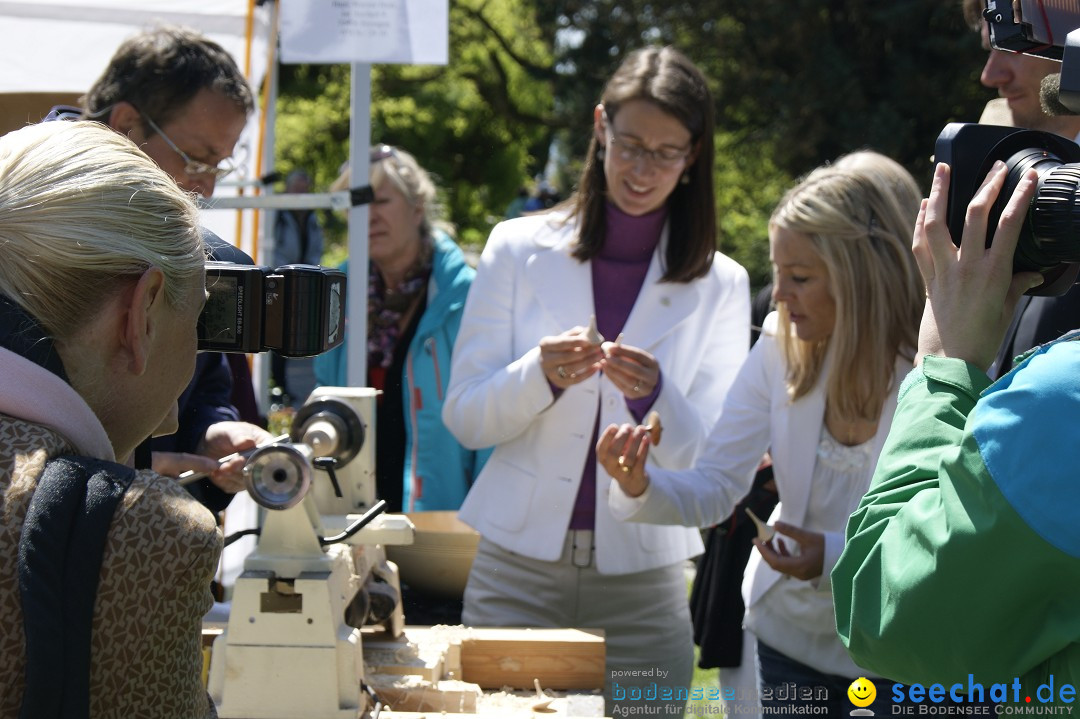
(295, 310)
(1043, 29)
(1049, 241)
(1033, 27)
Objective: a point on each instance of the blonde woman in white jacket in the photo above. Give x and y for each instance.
(818, 392)
(636, 248)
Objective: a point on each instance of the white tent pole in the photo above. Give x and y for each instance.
(359, 170)
(264, 242)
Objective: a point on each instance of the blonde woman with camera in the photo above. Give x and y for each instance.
(104, 571)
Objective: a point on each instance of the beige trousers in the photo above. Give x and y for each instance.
(645, 617)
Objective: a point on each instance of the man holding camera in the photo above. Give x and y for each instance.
(1017, 78)
(181, 98)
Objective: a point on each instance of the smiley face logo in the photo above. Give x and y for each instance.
(862, 692)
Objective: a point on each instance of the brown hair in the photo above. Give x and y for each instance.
(667, 78)
(160, 70)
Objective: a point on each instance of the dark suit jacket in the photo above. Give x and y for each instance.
(1036, 321)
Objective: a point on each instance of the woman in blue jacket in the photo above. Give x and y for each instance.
(417, 283)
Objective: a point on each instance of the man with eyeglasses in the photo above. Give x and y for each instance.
(182, 99)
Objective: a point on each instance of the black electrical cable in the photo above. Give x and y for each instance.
(378, 705)
(364, 520)
(240, 535)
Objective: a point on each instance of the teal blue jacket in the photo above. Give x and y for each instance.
(438, 470)
(964, 556)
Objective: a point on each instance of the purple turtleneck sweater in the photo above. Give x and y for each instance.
(617, 275)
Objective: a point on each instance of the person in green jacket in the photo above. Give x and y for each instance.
(961, 563)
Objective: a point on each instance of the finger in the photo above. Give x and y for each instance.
(585, 360)
(173, 464)
(1012, 218)
(920, 247)
(776, 560)
(766, 551)
(244, 443)
(576, 372)
(231, 466)
(936, 229)
(563, 343)
(628, 352)
(633, 372)
(642, 453)
(976, 220)
(230, 479)
(622, 379)
(620, 442)
(607, 438)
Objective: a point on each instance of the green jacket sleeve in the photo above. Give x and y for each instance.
(941, 576)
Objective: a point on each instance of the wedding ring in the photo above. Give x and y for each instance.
(626, 469)
(637, 387)
(561, 371)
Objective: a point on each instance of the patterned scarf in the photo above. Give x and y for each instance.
(387, 306)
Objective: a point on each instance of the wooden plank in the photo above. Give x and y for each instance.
(432, 655)
(512, 657)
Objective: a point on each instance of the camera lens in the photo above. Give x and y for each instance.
(1049, 241)
(1050, 235)
(1054, 217)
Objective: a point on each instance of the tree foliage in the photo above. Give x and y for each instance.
(477, 124)
(797, 83)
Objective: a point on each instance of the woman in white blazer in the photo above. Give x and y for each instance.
(818, 392)
(635, 247)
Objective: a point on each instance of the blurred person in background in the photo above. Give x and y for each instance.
(417, 282)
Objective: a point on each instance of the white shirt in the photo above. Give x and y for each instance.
(795, 617)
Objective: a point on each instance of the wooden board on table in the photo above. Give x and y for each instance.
(557, 658)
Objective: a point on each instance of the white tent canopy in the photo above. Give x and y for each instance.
(64, 46)
(53, 51)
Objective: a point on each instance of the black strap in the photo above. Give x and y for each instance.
(60, 553)
(144, 455)
(23, 335)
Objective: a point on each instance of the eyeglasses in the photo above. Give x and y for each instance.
(629, 151)
(381, 152)
(192, 166)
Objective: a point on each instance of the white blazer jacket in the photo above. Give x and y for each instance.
(757, 417)
(528, 287)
